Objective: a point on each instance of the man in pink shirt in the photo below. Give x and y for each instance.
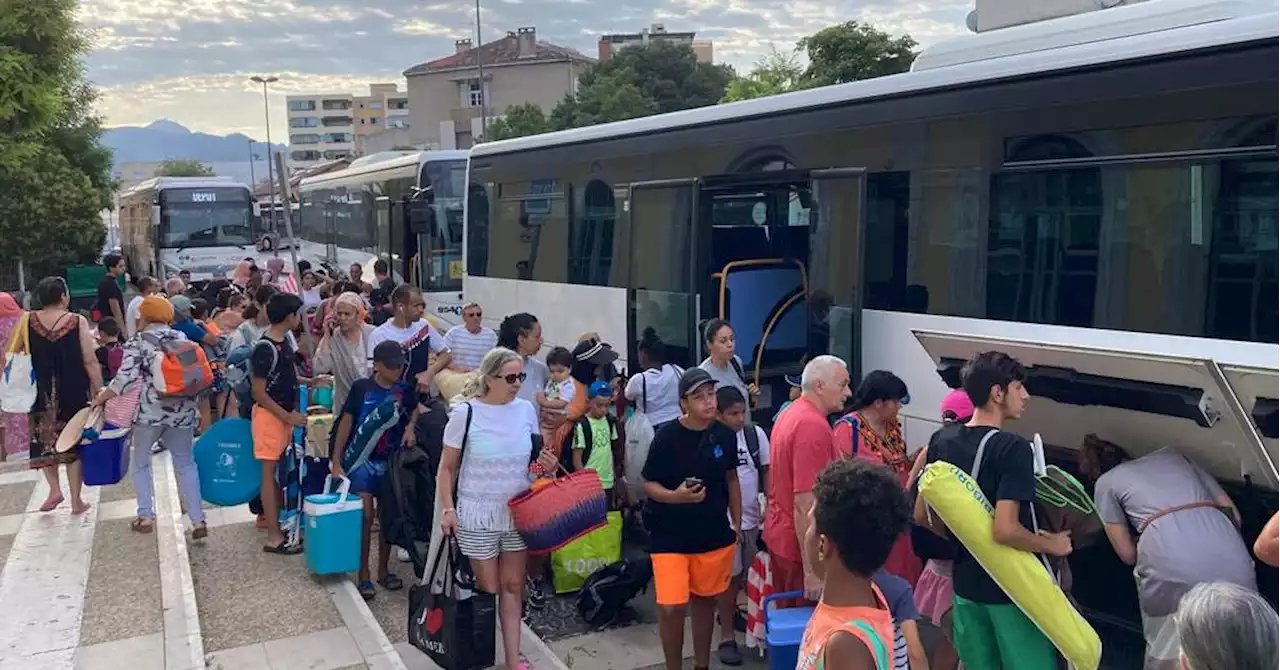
(801, 446)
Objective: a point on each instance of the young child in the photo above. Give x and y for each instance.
(793, 381)
(367, 395)
(603, 439)
(908, 650)
(753, 480)
(859, 511)
(110, 351)
(553, 400)
(230, 318)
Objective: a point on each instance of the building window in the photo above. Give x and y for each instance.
(304, 122)
(304, 139)
(302, 105)
(398, 104)
(336, 121)
(335, 104)
(470, 92)
(397, 123)
(304, 156)
(336, 138)
(374, 121)
(375, 105)
(336, 154)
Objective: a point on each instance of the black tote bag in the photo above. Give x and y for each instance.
(455, 627)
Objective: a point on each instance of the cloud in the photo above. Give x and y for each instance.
(190, 60)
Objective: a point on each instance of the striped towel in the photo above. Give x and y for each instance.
(759, 587)
(289, 284)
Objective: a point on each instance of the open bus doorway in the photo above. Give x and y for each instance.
(771, 252)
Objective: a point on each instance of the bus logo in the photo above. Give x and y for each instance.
(204, 196)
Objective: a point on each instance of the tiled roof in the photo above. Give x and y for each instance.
(505, 51)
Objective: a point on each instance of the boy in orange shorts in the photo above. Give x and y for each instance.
(275, 380)
(694, 516)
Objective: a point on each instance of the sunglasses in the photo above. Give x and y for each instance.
(476, 315)
(512, 379)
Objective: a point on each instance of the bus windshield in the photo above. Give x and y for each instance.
(443, 269)
(213, 225)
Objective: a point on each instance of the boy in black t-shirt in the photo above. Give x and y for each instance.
(275, 381)
(989, 630)
(110, 299)
(694, 515)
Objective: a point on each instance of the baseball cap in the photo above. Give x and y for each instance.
(181, 304)
(958, 403)
(599, 389)
(793, 380)
(692, 379)
(595, 352)
(389, 353)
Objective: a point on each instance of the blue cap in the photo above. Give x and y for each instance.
(793, 380)
(599, 390)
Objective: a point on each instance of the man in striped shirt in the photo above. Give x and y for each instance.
(470, 341)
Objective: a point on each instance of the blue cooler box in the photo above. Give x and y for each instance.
(333, 522)
(783, 630)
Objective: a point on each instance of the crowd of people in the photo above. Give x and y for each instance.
(828, 493)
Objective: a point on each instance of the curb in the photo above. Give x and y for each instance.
(183, 644)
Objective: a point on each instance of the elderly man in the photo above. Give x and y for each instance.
(174, 287)
(801, 446)
(470, 340)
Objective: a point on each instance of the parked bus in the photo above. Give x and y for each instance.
(201, 224)
(403, 207)
(1094, 194)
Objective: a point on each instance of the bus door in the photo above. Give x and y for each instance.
(775, 247)
(662, 301)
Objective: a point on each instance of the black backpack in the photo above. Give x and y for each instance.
(405, 495)
(566, 449)
(606, 592)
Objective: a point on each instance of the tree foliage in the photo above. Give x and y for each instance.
(655, 78)
(55, 174)
(852, 51)
(518, 121)
(839, 54)
(181, 167)
(774, 73)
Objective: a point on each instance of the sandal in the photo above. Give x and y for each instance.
(200, 532)
(283, 549)
(142, 525)
(366, 590)
(391, 582)
(51, 502)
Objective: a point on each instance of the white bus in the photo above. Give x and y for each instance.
(403, 207)
(201, 224)
(1095, 194)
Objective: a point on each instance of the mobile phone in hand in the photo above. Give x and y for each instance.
(693, 482)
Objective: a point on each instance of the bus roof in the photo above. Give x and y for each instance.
(393, 161)
(162, 183)
(1134, 32)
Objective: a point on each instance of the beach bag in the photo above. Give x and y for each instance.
(559, 512)
(229, 474)
(371, 429)
(578, 560)
(122, 410)
(18, 379)
(319, 432)
(639, 435)
(180, 367)
(455, 627)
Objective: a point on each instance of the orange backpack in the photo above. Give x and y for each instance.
(180, 367)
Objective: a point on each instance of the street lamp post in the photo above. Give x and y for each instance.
(266, 110)
(484, 114)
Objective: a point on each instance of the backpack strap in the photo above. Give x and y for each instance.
(737, 367)
(584, 425)
(977, 458)
(851, 421)
(752, 438)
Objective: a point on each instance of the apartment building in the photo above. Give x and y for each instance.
(445, 94)
(321, 128)
(386, 107)
(609, 44)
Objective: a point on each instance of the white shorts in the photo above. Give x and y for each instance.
(484, 545)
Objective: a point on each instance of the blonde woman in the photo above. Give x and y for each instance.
(344, 349)
(488, 458)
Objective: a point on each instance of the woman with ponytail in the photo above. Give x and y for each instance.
(872, 432)
(487, 446)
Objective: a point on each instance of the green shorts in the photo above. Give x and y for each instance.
(990, 637)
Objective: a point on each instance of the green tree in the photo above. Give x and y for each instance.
(518, 121)
(182, 167)
(55, 175)
(774, 73)
(852, 51)
(655, 78)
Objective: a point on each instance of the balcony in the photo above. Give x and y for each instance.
(304, 139)
(304, 156)
(336, 105)
(302, 105)
(335, 121)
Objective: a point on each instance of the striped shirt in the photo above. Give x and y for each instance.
(468, 348)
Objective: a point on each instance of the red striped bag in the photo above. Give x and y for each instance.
(558, 513)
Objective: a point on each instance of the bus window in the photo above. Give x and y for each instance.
(446, 186)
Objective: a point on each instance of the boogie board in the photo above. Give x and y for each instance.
(229, 474)
(953, 495)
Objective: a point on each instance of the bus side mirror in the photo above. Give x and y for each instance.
(422, 218)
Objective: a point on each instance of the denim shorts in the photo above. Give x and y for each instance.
(367, 477)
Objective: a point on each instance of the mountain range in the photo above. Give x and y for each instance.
(228, 155)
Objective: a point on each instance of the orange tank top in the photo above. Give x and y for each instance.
(873, 626)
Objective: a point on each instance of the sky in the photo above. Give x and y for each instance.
(190, 60)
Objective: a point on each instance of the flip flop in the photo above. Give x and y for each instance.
(391, 582)
(50, 504)
(283, 549)
(141, 525)
(366, 590)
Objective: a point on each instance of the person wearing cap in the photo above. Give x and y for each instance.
(367, 395)
(599, 431)
(694, 516)
(169, 419)
(872, 432)
(793, 394)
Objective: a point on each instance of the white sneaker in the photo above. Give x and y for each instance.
(402, 555)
